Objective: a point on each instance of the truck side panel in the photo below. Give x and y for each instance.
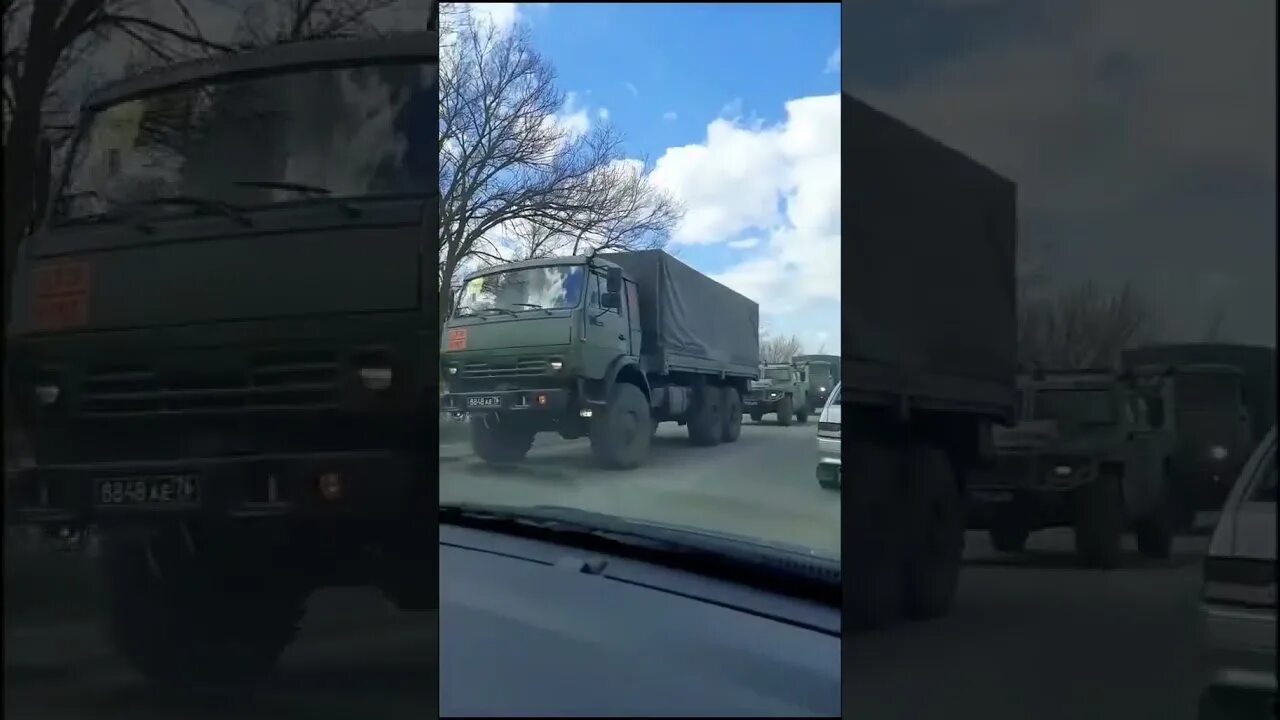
(930, 305)
(690, 320)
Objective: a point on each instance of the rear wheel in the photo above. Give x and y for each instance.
(176, 617)
(785, 411)
(706, 421)
(621, 435)
(877, 535)
(733, 417)
(1008, 535)
(757, 417)
(1154, 532)
(936, 534)
(802, 415)
(495, 442)
(1099, 521)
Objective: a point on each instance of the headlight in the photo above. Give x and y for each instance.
(1062, 470)
(822, 389)
(773, 395)
(451, 370)
(555, 365)
(47, 394)
(1217, 452)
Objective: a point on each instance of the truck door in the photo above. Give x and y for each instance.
(1144, 464)
(632, 305)
(608, 328)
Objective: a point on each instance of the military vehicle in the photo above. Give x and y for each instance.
(782, 391)
(223, 346)
(1215, 401)
(820, 374)
(929, 357)
(1085, 456)
(604, 346)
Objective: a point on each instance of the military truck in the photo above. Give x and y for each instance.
(1084, 456)
(930, 357)
(223, 346)
(782, 391)
(819, 373)
(603, 346)
(1215, 401)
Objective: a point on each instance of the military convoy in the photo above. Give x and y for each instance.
(1083, 455)
(222, 346)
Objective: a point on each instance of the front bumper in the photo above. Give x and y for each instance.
(266, 485)
(1027, 485)
(760, 405)
(545, 399)
(1239, 662)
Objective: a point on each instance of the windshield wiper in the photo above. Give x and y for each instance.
(779, 568)
(346, 207)
(216, 206)
(535, 307)
(512, 313)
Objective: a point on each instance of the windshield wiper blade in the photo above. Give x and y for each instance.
(512, 313)
(776, 566)
(534, 307)
(216, 206)
(346, 207)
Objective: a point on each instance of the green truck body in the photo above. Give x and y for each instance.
(223, 344)
(602, 346)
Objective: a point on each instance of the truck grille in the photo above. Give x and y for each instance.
(269, 381)
(520, 367)
(1013, 470)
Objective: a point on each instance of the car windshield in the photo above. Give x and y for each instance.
(780, 374)
(1075, 407)
(287, 137)
(546, 288)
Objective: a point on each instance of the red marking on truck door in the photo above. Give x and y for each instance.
(60, 296)
(458, 339)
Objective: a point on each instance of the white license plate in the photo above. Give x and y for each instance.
(484, 401)
(155, 491)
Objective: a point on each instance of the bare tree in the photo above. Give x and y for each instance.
(275, 22)
(780, 349)
(514, 181)
(1213, 328)
(1083, 326)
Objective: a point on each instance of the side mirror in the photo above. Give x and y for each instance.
(613, 280)
(611, 301)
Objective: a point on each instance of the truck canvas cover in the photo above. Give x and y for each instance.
(931, 236)
(690, 321)
(1256, 362)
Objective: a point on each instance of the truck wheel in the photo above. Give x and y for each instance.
(621, 435)
(1099, 521)
(802, 415)
(1154, 532)
(733, 419)
(936, 541)
(877, 503)
(784, 412)
(176, 619)
(757, 417)
(497, 443)
(706, 420)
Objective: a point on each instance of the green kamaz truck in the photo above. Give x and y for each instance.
(601, 346)
(222, 345)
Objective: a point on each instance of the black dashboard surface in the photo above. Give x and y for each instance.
(523, 632)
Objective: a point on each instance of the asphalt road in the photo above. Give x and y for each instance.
(762, 486)
(1031, 636)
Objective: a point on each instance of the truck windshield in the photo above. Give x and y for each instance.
(540, 288)
(780, 374)
(1077, 407)
(346, 132)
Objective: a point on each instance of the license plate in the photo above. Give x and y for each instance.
(484, 401)
(158, 491)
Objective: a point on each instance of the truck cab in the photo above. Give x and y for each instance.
(1083, 455)
(222, 344)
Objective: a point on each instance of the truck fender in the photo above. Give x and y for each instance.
(624, 365)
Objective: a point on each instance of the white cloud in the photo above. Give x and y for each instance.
(574, 119)
(502, 16)
(631, 88)
(778, 185)
(670, 115)
(833, 62)
(603, 114)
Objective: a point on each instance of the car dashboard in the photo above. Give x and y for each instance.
(532, 628)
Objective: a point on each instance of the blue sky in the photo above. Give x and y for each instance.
(662, 74)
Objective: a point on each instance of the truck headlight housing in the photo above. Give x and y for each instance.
(556, 365)
(1063, 470)
(47, 394)
(1217, 452)
(375, 378)
(451, 370)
